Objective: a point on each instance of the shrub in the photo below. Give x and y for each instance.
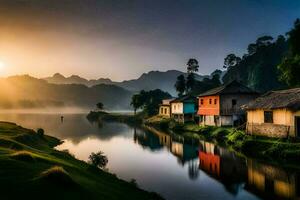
(40, 132)
(235, 136)
(98, 159)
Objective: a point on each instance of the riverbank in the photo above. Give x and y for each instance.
(32, 168)
(271, 149)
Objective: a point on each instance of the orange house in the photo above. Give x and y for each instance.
(221, 106)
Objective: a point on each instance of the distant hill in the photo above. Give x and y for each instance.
(74, 79)
(28, 92)
(147, 81)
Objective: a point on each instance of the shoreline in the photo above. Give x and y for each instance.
(272, 150)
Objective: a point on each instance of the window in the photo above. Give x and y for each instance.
(215, 101)
(209, 101)
(268, 116)
(165, 110)
(234, 102)
(201, 101)
(161, 110)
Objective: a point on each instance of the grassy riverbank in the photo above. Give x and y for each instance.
(271, 149)
(32, 168)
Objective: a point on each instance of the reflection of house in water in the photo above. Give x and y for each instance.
(271, 182)
(223, 165)
(185, 153)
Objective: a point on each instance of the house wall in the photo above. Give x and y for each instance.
(164, 110)
(177, 108)
(283, 123)
(207, 108)
(189, 108)
(226, 107)
(211, 120)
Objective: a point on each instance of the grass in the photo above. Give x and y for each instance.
(32, 168)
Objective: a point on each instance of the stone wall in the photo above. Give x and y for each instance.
(268, 129)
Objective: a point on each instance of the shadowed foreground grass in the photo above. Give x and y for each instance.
(30, 168)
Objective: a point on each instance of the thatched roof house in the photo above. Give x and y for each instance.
(289, 99)
(275, 114)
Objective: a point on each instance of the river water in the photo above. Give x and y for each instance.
(172, 167)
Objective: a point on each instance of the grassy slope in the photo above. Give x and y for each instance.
(25, 160)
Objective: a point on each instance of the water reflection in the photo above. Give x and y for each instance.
(170, 165)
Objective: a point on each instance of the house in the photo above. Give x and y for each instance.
(165, 108)
(183, 108)
(221, 106)
(275, 114)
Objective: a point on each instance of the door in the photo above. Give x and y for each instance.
(297, 126)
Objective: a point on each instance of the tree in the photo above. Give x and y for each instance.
(98, 159)
(231, 60)
(136, 102)
(180, 85)
(290, 65)
(149, 100)
(190, 82)
(100, 105)
(192, 65)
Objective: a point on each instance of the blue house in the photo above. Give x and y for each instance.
(183, 108)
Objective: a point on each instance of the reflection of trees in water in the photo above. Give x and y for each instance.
(193, 169)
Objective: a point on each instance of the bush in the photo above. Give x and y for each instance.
(235, 136)
(98, 159)
(40, 132)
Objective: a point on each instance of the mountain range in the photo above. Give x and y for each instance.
(147, 81)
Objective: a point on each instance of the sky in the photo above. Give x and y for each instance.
(121, 39)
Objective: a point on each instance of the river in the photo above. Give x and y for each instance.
(172, 167)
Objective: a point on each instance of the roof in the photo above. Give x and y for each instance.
(185, 99)
(277, 99)
(166, 102)
(233, 87)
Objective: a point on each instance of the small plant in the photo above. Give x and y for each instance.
(98, 159)
(40, 132)
(57, 175)
(25, 156)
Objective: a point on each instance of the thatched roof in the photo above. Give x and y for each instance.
(277, 99)
(233, 87)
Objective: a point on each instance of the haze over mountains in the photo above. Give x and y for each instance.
(58, 91)
(147, 81)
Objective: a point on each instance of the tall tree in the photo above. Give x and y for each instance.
(192, 65)
(231, 60)
(136, 102)
(190, 82)
(180, 85)
(290, 65)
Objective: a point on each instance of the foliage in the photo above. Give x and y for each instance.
(100, 106)
(40, 132)
(192, 65)
(231, 60)
(190, 82)
(149, 101)
(257, 68)
(98, 159)
(290, 65)
(180, 85)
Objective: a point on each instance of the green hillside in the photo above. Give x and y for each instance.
(32, 168)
